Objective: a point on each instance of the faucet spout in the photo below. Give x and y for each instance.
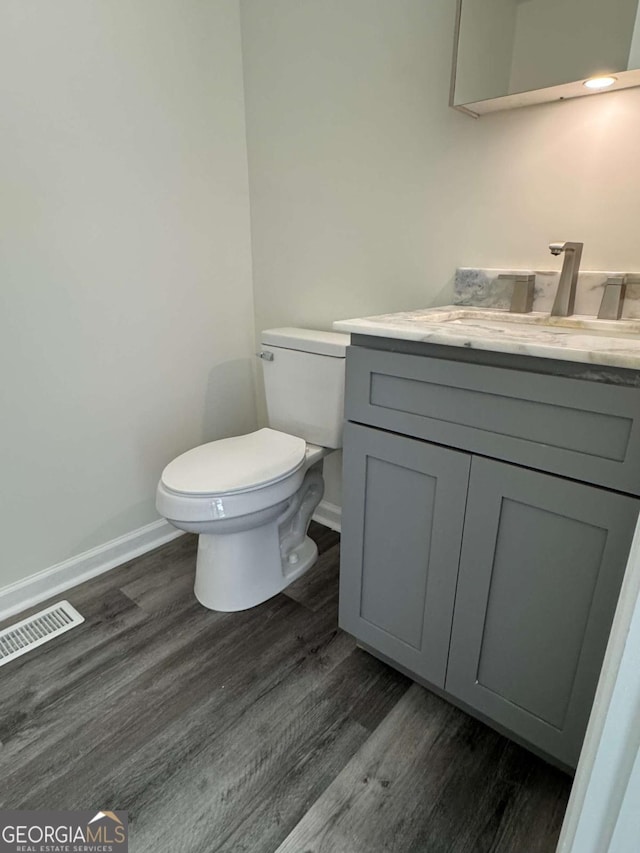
(566, 292)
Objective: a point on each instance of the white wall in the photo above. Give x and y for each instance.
(603, 815)
(367, 190)
(125, 268)
(125, 276)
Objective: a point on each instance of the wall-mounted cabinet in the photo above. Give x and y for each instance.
(512, 53)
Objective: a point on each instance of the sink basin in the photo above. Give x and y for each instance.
(499, 319)
(575, 338)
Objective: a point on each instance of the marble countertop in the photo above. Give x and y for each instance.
(578, 338)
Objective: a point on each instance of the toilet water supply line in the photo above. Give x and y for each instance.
(306, 498)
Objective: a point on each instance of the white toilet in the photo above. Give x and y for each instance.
(251, 498)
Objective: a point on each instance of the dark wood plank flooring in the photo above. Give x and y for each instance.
(254, 732)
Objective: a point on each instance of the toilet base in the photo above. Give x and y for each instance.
(244, 561)
(236, 571)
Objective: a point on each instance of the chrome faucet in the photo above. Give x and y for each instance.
(566, 292)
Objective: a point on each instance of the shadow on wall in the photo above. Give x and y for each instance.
(229, 406)
(228, 409)
(444, 296)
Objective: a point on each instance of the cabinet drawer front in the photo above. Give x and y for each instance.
(540, 572)
(584, 430)
(403, 508)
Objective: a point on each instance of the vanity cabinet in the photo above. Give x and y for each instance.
(489, 580)
(404, 502)
(541, 566)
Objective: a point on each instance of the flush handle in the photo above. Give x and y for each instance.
(265, 355)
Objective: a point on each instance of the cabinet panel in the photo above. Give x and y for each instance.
(403, 512)
(541, 567)
(579, 429)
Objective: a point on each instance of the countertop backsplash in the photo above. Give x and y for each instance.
(482, 288)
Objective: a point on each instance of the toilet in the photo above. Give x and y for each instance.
(250, 498)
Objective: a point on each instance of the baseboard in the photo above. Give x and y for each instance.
(56, 579)
(329, 514)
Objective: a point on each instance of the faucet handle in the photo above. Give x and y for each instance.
(615, 290)
(523, 290)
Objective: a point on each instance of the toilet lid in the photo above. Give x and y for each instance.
(235, 464)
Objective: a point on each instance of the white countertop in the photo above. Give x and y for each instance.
(580, 338)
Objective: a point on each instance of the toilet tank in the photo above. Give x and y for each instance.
(304, 383)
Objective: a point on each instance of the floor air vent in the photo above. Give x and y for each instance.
(37, 629)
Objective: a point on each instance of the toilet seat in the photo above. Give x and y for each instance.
(232, 477)
(235, 465)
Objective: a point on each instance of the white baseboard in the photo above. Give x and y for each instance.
(329, 514)
(56, 579)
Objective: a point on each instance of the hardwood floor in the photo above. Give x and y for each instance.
(255, 732)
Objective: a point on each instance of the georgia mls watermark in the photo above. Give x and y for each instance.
(63, 832)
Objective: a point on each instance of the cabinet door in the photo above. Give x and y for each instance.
(403, 511)
(540, 571)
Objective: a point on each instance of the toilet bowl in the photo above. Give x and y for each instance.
(250, 498)
(253, 540)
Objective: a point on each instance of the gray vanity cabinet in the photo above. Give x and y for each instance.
(485, 578)
(540, 569)
(403, 508)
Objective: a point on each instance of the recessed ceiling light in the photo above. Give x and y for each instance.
(599, 82)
